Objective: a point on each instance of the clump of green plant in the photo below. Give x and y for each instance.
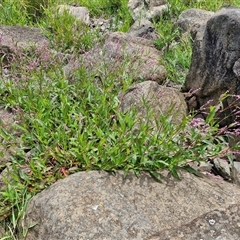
(76, 126)
(72, 36)
(104, 8)
(36, 8)
(107, 8)
(13, 13)
(178, 6)
(22, 12)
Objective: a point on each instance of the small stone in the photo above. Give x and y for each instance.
(237, 166)
(223, 168)
(205, 167)
(80, 13)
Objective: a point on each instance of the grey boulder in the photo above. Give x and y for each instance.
(143, 28)
(24, 37)
(101, 205)
(153, 101)
(192, 19)
(215, 63)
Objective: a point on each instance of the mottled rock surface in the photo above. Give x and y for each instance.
(215, 62)
(214, 225)
(192, 19)
(100, 205)
(24, 37)
(149, 97)
(80, 13)
(143, 28)
(135, 55)
(152, 9)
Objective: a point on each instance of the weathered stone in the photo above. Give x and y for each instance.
(136, 56)
(25, 37)
(6, 56)
(105, 25)
(143, 28)
(214, 225)
(80, 13)
(204, 167)
(237, 166)
(153, 101)
(214, 66)
(192, 19)
(152, 9)
(100, 205)
(223, 168)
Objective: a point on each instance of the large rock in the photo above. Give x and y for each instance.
(134, 56)
(152, 9)
(24, 37)
(150, 98)
(16, 39)
(215, 66)
(192, 19)
(100, 205)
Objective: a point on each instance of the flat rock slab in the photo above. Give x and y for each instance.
(100, 205)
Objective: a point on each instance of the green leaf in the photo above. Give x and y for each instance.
(191, 170)
(156, 175)
(174, 172)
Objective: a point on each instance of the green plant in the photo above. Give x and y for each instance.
(72, 36)
(65, 126)
(14, 198)
(36, 9)
(13, 14)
